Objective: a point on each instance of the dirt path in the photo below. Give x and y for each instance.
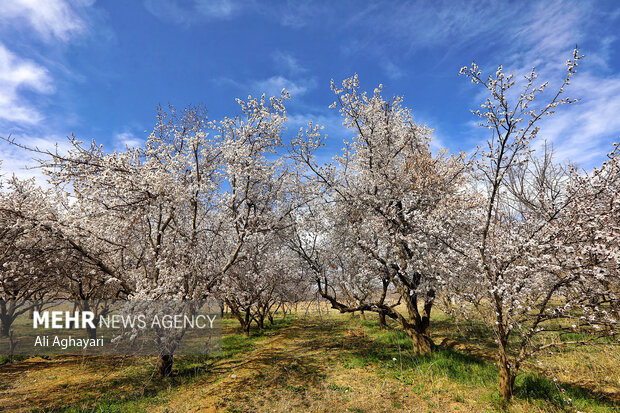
(284, 361)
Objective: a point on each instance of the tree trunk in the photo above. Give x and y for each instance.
(382, 322)
(362, 315)
(245, 319)
(422, 343)
(246, 323)
(5, 325)
(506, 378)
(91, 332)
(12, 344)
(164, 365)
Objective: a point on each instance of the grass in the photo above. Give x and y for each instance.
(318, 363)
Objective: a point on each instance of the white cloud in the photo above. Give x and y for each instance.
(297, 14)
(21, 116)
(126, 139)
(228, 82)
(169, 10)
(17, 74)
(216, 8)
(544, 38)
(271, 86)
(21, 162)
(420, 24)
(274, 85)
(287, 62)
(391, 70)
(553, 27)
(289, 13)
(50, 19)
(331, 121)
(192, 11)
(583, 132)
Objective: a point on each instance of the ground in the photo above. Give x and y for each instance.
(319, 362)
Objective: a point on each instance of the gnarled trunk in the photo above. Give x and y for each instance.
(382, 321)
(506, 378)
(260, 321)
(507, 371)
(243, 316)
(164, 365)
(422, 342)
(417, 325)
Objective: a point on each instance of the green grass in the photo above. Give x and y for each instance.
(392, 352)
(11, 359)
(540, 389)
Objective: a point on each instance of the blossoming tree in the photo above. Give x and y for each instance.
(542, 244)
(393, 191)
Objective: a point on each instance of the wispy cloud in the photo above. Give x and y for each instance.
(287, 62)
(415, 25)
(25, 76)
(297, 14)
(190, 12)
(21, 163)
(50, 19)
(17, 75)
(544, 38)
(273, 86)
(551, 27)
(54, 21)
(290, 13)
(126, 139)
(583, 132)
(391, 70)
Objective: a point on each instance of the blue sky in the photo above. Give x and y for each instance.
(99, 69)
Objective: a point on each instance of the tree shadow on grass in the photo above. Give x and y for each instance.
(533, 386)
(127, 380)
(473, 333)
(392, 351)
